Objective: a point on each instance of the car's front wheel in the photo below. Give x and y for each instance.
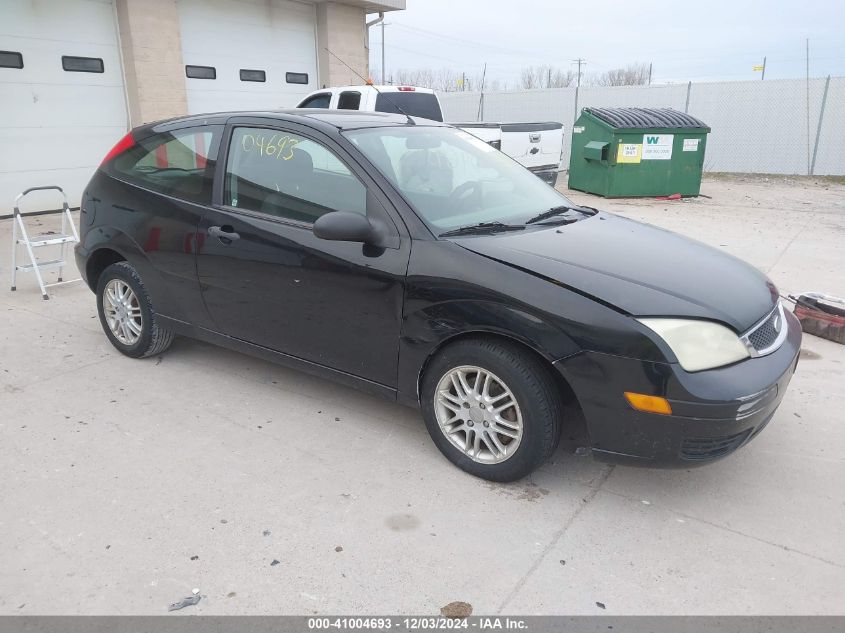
(127, 315)
(492, 408)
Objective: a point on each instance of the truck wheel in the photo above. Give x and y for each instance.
(127, 315)
(492, 408)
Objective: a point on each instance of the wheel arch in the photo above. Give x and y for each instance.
(98, 261)
(545, 361)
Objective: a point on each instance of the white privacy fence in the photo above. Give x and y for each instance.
(757, 126)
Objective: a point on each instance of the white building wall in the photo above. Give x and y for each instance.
(276, 36)
(56, 126)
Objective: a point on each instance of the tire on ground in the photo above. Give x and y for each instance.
(533, 387)
(154, 338)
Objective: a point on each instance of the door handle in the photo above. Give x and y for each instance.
(225, 234)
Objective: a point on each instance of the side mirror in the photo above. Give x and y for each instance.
(345, 226)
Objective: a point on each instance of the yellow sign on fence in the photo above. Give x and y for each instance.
(758, 69)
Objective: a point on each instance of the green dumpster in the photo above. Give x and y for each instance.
(629, 152)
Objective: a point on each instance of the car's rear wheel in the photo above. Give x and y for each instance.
(492, 408)
(127, 315)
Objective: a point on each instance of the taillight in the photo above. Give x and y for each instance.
(127, 142)
(406, 89)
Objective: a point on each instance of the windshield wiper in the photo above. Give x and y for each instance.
(483, 227)
(561, 210)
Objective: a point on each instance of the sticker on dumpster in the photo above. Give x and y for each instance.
(578, 129)
(657, 146)
(629, 153)
(691, 144)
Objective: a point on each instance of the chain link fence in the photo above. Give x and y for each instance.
(782, 126)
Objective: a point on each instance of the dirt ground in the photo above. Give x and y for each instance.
(128, 483)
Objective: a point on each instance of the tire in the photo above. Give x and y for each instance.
(538, 411)
(150, 337)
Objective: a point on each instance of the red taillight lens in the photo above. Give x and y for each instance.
(121, 146)
(406, 89)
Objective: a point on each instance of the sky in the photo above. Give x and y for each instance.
(684, 40)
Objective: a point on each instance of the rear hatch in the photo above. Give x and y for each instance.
(534, 145)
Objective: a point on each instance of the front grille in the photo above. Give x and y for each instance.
(710, 447)
(765, 334)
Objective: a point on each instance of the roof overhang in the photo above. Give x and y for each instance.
(372, 6)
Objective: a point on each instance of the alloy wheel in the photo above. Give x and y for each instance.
(478, 414)
(122, 312)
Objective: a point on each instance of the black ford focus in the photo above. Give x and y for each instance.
(412, 260)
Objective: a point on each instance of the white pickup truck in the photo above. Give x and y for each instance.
(536, 146)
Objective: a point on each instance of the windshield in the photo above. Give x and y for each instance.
(453, 179)
(421, 104)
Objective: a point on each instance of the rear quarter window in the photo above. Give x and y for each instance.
(179, 163)
(421, 104)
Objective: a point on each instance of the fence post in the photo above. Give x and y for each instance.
(576, 103)
(689, 88)
(819, 128)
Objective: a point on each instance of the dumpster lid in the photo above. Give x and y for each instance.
(645, 118)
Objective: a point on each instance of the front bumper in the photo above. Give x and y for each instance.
(714, 412)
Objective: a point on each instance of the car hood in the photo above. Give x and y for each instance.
(637, 268)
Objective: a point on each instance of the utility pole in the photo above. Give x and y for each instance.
(463, 82)
(382, 52)
(763, 76)
(580, 62)
(649, 73)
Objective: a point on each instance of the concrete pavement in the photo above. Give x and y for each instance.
(127, 483)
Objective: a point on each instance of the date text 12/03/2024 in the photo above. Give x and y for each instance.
(417, 623)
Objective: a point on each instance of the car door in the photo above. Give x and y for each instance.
(267, 279)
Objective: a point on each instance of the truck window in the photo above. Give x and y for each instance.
(349, 100)
(321, 100)
(421, 104)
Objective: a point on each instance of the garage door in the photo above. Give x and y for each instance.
(247, 54)
(63, 104)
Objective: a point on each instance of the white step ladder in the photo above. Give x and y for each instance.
(68, 235)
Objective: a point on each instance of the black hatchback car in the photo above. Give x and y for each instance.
(414, 261)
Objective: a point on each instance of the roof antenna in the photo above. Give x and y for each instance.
(409, 120)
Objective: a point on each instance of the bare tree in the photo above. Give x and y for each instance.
(545, 77)
(442, 79)
(631, 75)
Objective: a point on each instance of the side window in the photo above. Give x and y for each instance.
(288, 176)
(179, 163)
(317, 101)
(11, 59)
(349, 100)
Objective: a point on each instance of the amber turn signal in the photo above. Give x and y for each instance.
(650, 404)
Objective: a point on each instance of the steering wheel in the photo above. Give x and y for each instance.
(468, 192)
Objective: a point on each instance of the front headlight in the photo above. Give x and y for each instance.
(698, 344)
